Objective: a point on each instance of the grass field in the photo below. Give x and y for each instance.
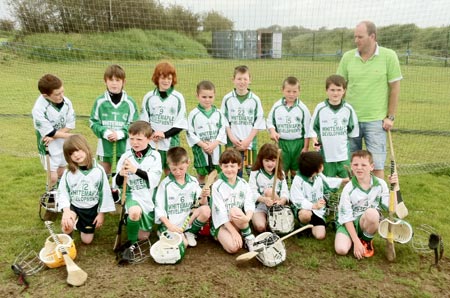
(311, 269)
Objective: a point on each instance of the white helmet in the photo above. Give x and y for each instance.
(281, 219)
(169, 249)
(272, 251)
(401, 230)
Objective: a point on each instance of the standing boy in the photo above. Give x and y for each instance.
(359, 207)
(333, 122)
(232, 205)
(244, 113)
(142, 166)
(177, 195)
(288, 124)
(53, 119)
(206, 131)
(165, 109)
(111, 115)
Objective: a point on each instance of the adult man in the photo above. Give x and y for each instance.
(373, 75)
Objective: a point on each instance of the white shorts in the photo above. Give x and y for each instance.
(56, 161)
(261, 208)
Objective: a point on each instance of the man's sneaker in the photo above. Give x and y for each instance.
(368, 248)
(190, 239)
(249, 240)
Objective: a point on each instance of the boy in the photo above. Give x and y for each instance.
(165, 109)
(288, 124)
(176, 196)
(332, 123)
(308, 191)
(53, 119)
(111, 116)
(359, 207)
(206, 131)
(232, 205)
(244, 113)
(142, 166)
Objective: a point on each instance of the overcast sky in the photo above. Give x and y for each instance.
(313, 14)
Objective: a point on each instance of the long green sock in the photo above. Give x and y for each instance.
(196, 226)
(132, 230)
(246, 231)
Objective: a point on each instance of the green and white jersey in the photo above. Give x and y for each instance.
(333, 127)
(206, 126)
(260, 180)
(106, 117)
(355, 201)
(139, 189)
(225, 196)
(292, 123)
(243, 115)
(163, 114)
(47, 118)
(84, 189)
(174, 200)
(305, 192)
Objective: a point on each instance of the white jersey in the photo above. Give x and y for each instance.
(333, 127)
(260, 180)
(47, 118)
(292, 123)
(207, 126)
(84, 189)
(305, 193)
(355, 201)
(225, 196)
(243, 115)
(164, 114)
(175, 201)
(139, 189)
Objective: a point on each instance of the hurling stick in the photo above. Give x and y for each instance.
(390, 249)
(251, 254)
(118, 240)
(274, 186)
(75, 275)
(400, 209)
(209, 181)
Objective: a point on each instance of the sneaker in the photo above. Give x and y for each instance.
(368, 248)
(190, 239)
(249, 240)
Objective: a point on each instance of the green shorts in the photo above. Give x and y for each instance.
(342, 229)
(147, 219)
(214, 231)
(163, 159)
(291, 150)
(336, 169)
(203, 171)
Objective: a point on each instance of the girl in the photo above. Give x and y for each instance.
(261, 183)
(84, 194)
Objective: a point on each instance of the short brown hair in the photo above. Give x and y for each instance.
(114, 71)
(309, 163)
(363, 154)
(291, 81)
(241, 69)
(177, 155)
(140, 127)
(164, 69)
(336, 80)
(230, 155)
(74, 143)
(205, 85)
(47, 83)
(268, 151)
(371, 28)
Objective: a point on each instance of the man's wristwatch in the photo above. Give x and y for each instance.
(391, 117)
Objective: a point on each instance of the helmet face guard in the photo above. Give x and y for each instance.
(27, 263)
(48, 205)
(281, 219)
(135, 253)
(169, 249)
(273, 252)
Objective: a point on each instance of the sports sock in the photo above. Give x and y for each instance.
(246, 231)
(367, 237)
(132, 230)
(196, 226)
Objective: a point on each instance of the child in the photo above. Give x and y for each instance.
(142, 166)
(332, 123)
(243, 110)
(165, 109)
(84, 195)
(308, 190)
(261, 184)
(288, 124)
(53, 119)
(111, 116)
(359, 207)
(206, 131)
(176, 196)
(232, 206)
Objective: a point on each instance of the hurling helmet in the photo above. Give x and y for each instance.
(169, 249)
(281, 219)
(401, 230)
(51, 253)
(272, 251)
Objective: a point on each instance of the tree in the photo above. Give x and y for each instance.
(214, 21)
